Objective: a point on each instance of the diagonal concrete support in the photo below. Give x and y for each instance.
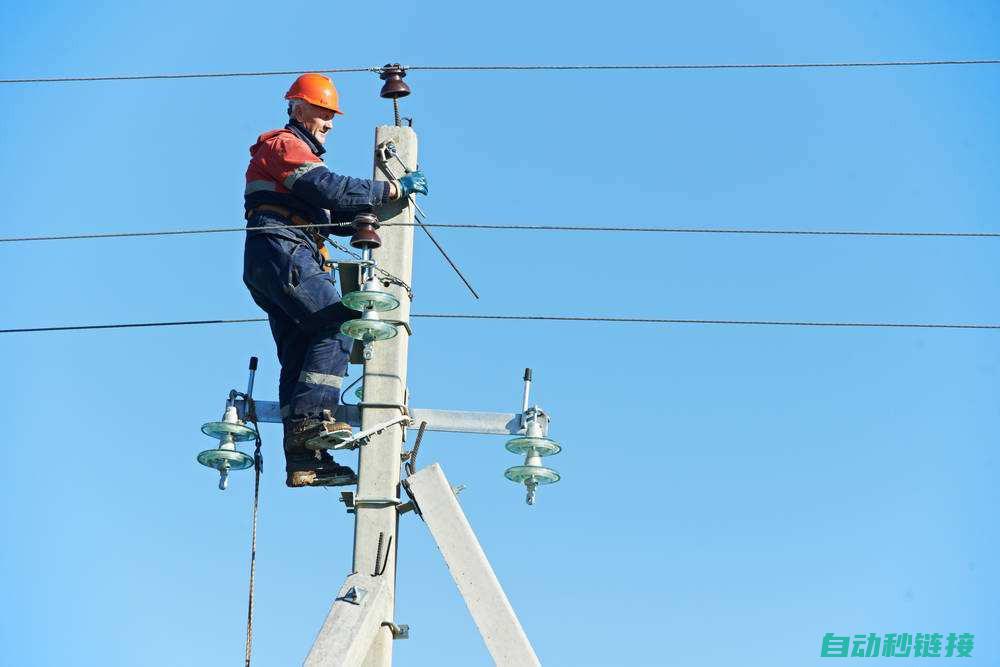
(355, 619)
(476, 581)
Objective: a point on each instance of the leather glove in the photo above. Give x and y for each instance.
(413, 182)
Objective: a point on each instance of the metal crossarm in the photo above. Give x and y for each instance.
(450, 421)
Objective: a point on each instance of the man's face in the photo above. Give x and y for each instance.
(317, 120)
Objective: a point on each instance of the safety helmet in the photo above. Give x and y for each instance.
(315, 89)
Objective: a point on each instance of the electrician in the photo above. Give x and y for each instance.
(287, 187)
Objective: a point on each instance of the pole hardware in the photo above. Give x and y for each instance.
(362, 264)
(365, 237)
(377, 503)
(370, 299)
(401, 631)
(361, 439)
(354, 595)
(230, 430)
(533, 445)
(394, 87)
(352, 502)
(347, 497)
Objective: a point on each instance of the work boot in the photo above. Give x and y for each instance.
(318, 434)
(316, 468)
(307, 467)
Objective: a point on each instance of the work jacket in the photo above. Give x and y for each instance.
(286, 169)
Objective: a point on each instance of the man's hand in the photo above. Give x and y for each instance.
(413, 182)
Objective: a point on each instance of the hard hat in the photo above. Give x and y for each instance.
(315, 89)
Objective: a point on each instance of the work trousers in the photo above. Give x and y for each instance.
(286, 278)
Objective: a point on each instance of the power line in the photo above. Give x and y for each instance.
(515, 227)
(132, 325)
(712, 230)
(507, 68)
(658, 320)
(540, 318)
(200, 75)
(874, 63)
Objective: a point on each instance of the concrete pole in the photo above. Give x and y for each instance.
(385, 383)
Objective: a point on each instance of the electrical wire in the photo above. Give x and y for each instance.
(542, 318)
(200, 75)
(706, 230)
(516, 227)
(669, 66)
(506, 68)
(343, 392)
(658, 320)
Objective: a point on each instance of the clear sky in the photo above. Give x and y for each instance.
(729, 494)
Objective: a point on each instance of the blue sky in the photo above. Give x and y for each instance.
(729, 494)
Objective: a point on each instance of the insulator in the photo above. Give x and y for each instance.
(533, 445)
(524, 445)
(394, 86)
(532, 474)
(365, 236)
(370, 297)
(368, 328)
(226, 457)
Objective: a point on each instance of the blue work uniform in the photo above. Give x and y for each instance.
(287, 186)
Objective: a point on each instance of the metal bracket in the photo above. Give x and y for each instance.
(376, 502)
(352, 503)
(364, 437)
(401, 631)
(354, 595)
(347, 497)
(401, 323)
(449, 421)
(337, 263)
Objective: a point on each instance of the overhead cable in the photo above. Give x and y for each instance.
(541, 318)
(508, 68)
(198, 75)
(516, 227)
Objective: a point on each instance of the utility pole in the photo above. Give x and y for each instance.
(376, 517)
(361, 624)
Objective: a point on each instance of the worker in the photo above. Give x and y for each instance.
(284, 266)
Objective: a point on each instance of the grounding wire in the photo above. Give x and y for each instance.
(515, 227)
(543, 318)
(508, 68)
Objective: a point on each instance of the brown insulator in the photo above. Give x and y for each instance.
(365, 235)
(394, 86)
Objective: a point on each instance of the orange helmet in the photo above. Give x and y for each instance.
(315, 89)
